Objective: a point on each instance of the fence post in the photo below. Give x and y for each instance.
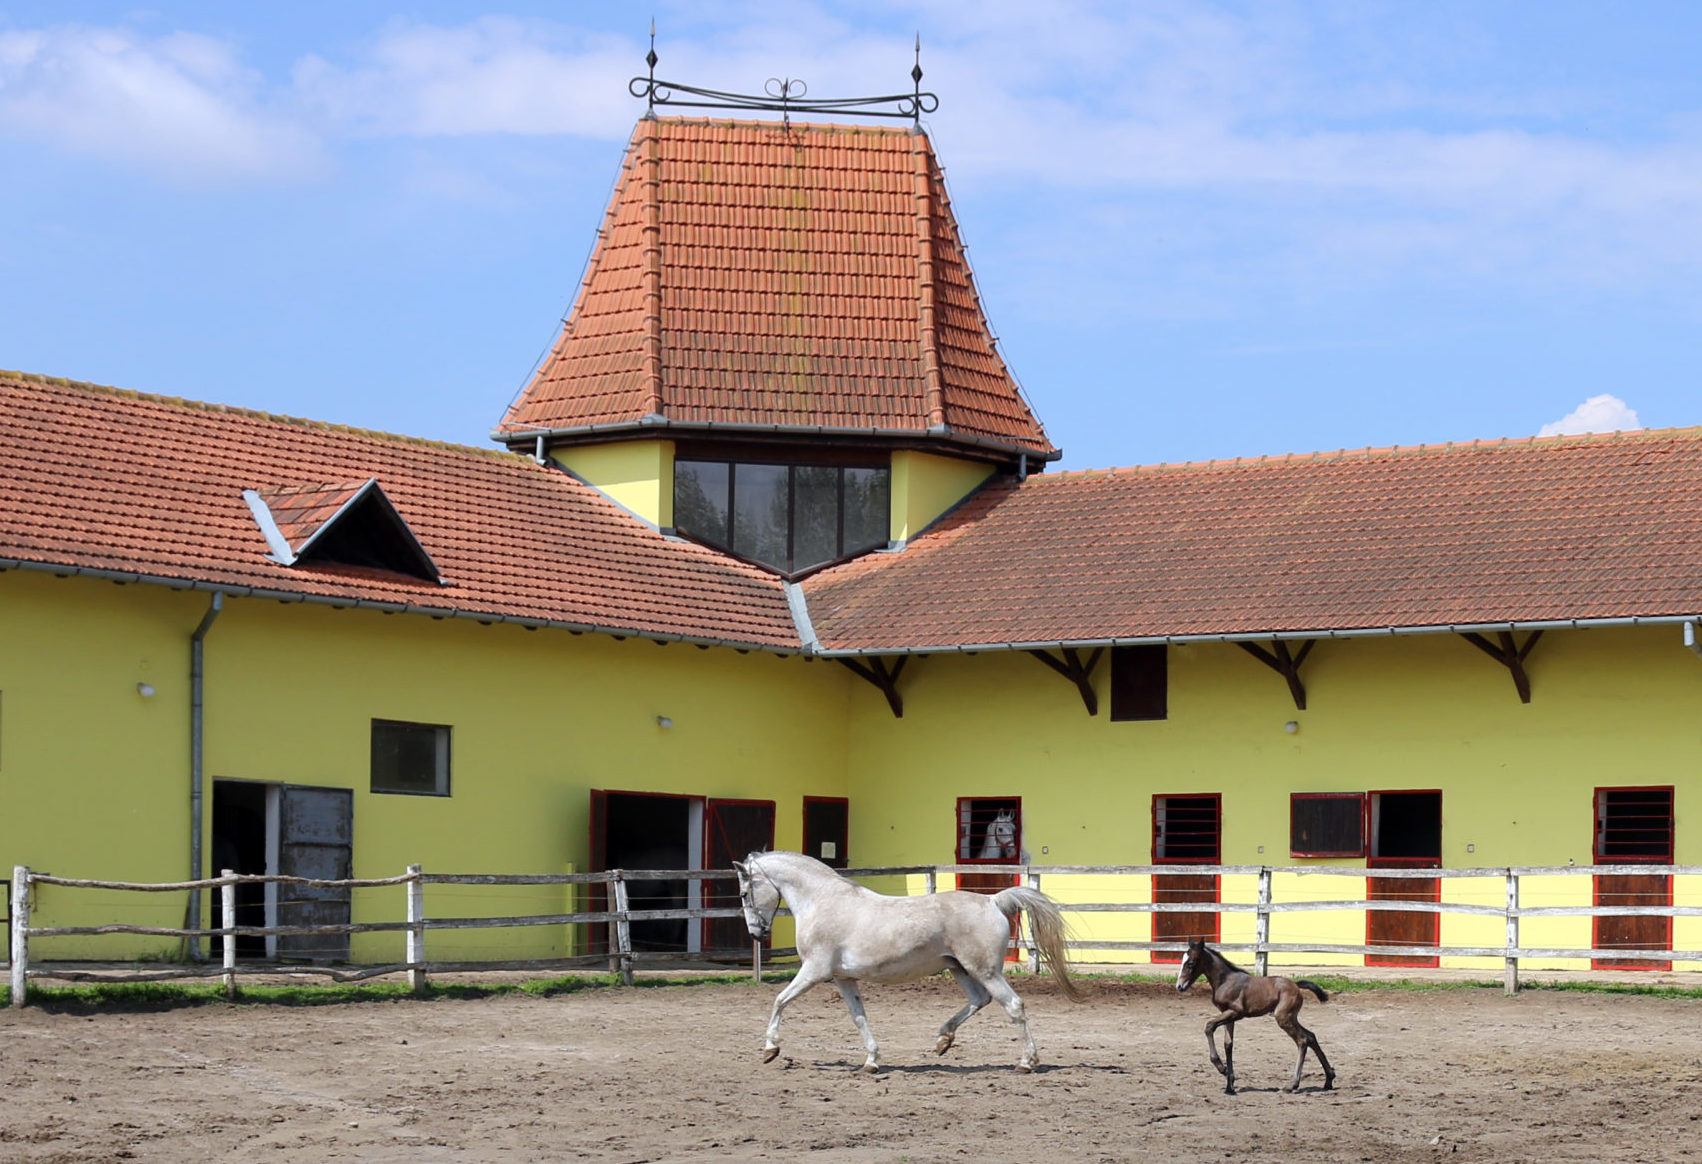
(1262, 925)
(227, 921)
(415, 949)
(756, 959)
(623, 929)
(20, 933)
(1512, 983)
(931, 881)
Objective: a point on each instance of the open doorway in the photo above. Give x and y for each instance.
(643, 830)
(292, 830)
(1406, 833)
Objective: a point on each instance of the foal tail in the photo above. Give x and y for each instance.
(1323, 995)
(1046, 927)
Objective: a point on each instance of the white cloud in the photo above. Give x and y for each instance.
(496, 75)
(1602, 413)
(179, 105)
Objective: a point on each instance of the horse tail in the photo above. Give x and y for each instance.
(1323, 995)
(1046, 927)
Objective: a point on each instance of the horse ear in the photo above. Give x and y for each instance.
(739, 866)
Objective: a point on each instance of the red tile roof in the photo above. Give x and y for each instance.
(117, 482)
(1527, 531)
(299, 511)
(754, 275)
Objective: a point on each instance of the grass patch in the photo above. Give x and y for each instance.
(84, 998)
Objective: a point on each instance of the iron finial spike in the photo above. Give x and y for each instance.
(650, 59)
(916, 77)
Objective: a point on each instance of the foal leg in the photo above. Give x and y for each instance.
(802, 981)
(854, 1003)
(997, 987)
(1289, 1020)
(1225, 1069)
(978, 998)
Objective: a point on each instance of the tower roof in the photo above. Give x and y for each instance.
(755, 277)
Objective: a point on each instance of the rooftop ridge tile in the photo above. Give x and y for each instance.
(1371, 452)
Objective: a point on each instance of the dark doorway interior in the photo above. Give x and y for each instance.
(239, 844)
(651, 832)
(1406, 833)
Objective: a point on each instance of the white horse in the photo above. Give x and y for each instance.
(848, 934)
(1001, 838)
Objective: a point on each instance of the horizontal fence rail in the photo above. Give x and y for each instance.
(619, 917)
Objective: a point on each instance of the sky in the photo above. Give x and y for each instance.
(1200, 229)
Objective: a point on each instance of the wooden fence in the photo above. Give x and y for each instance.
(621, 956)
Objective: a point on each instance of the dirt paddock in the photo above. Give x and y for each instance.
(673, 1073)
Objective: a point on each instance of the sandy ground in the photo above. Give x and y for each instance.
(673, 1073)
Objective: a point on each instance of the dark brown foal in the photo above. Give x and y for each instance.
(1240, 995)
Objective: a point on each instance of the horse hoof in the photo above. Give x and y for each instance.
(871, 1068)
(1025, 1068)
(768, 1054)
(944, 1045)
(1230, 1090)
(1329, 1085)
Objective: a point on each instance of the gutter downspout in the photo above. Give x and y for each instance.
(197, 684)
(1690, 638)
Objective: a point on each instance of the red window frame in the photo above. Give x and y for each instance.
(1217, 828)
(1665, 858)
(1364, 799)
(964, 841)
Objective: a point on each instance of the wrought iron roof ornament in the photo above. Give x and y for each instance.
(784, 95)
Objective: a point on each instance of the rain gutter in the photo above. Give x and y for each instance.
(197, 691)
(712, 426)
(1687, 620)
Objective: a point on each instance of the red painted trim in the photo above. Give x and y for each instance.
(1217, 834)
(1364, 822)
(957, 837)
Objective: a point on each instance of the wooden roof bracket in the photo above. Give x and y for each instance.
(883, 677)
(1509, 655)
(1077, 672)
(1279, 659)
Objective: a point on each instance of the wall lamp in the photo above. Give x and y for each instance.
(1291, 726)
(664, 722)
(145, 690)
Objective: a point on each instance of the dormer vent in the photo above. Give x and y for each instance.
(342, 524)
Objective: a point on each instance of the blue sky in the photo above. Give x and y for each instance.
(1200, 229)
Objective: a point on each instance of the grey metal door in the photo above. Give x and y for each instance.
(315, 839)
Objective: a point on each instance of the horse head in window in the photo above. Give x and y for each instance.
(1000, 842)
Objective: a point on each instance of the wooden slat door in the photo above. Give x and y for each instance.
(316, 840)
(1176, 888)
(733, 829)
(1632, 933)
(1387, 927)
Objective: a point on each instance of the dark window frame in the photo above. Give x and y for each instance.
(1599, 839)
(1159, 833)
(442, 759)
(788, 568)
(842, 858)
(1362, 804)
(1140, 683)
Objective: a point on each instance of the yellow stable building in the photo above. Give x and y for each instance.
(773, 558)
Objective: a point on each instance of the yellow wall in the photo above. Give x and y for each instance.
(1610, 707)
(638, 475)
(924, 486)
(95, 780)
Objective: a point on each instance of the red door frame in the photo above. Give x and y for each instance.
(1665, 888)
(1412, 889)
(710, 890)
(1216, 933)
(988, 882)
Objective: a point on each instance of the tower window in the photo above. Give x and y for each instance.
(791, 517)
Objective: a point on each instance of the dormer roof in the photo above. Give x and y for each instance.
(759, 278)
(349, 524)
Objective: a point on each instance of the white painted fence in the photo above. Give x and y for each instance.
(619, 918)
